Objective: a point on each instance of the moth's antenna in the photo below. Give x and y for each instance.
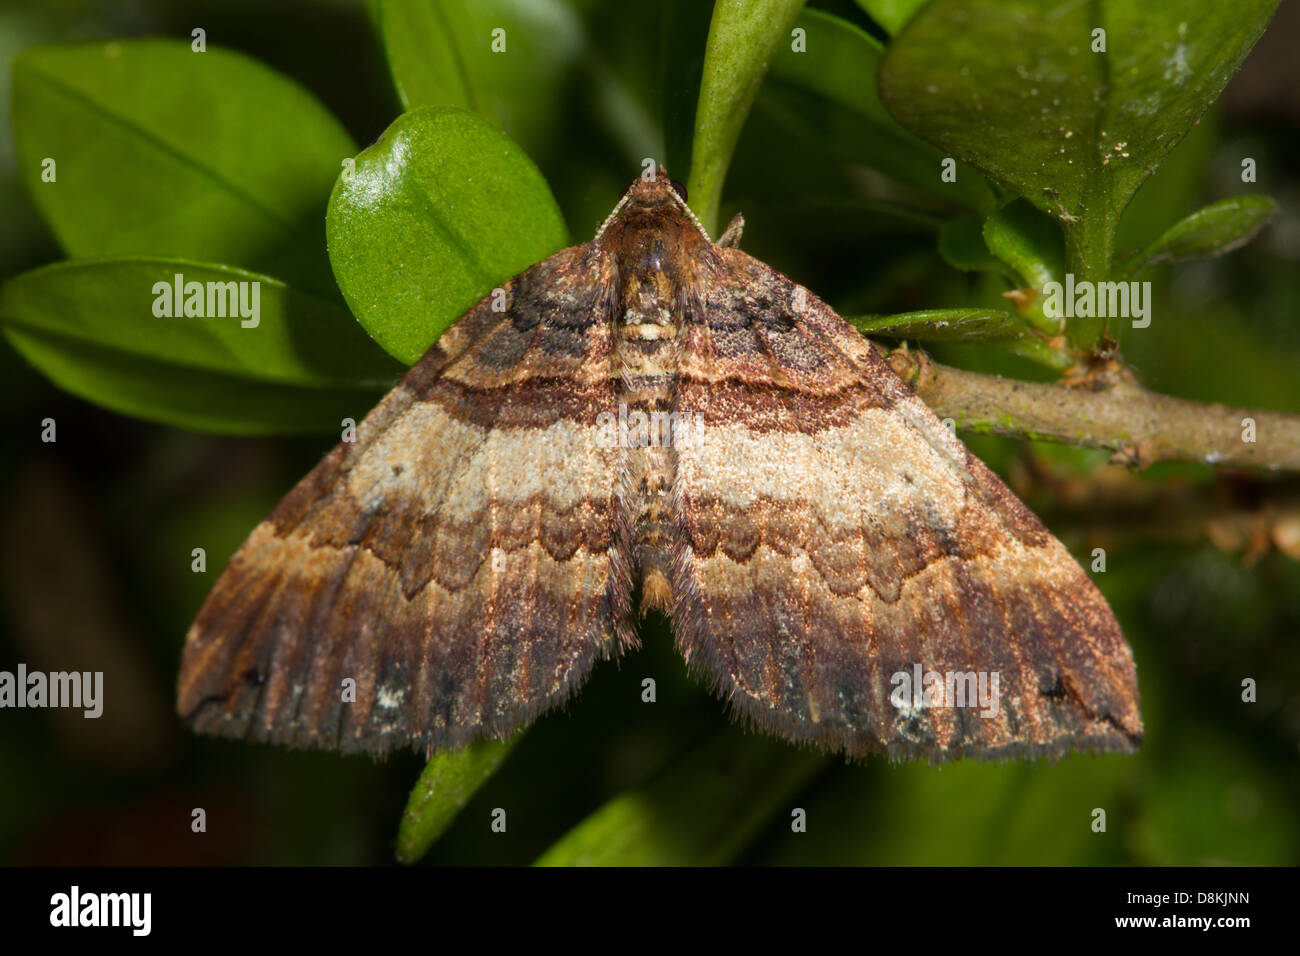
(691, 214)
(611, 217)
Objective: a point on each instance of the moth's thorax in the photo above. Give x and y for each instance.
(658, 248)
(648, 294)
(649, 311)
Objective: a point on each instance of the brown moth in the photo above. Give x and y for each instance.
(655, 421)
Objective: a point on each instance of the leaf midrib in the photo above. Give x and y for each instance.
(105, 113)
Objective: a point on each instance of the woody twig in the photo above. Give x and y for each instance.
(1140, 426)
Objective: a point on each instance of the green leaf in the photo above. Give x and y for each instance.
(944, 325)
(1211, 231)
(440, 53)
(962, 246)
(1073, 131)
(161, 151)
(1175, 189)
(448, 782)
(437, 213)
(891, 14)
(90, 325)
(839, 66)
(743, 36)
(702, 811)
(1070, 128)
(991, 326)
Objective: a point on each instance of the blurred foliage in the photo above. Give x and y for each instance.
(169, 161)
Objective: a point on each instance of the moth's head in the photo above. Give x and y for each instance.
(654, 189)
(653, 201)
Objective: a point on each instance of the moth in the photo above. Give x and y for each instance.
(654, 421)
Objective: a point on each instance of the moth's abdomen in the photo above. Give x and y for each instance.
(649, 474)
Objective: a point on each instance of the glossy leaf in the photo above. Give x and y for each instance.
(162, 151)
(437, 213)
(1211, 231)
(742, 39)
(703, 810)
(448, 782)
(839, 66)
(1173, 190)
(91, 326)
(1072, 130)
(450, 53)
